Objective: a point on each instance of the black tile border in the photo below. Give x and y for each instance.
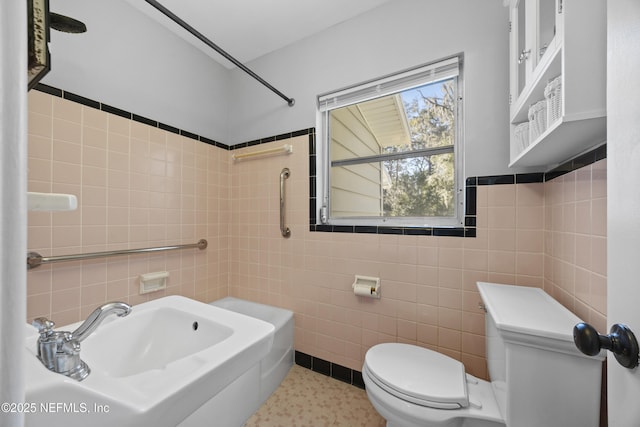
(303, 359)
(79, 99)
(116, 111)
(330, 369)
(471, 183)
(529, 178)
(274, 138)
(49, 89)
(125, 114)
(145, 121)
(169, 128)
(595, 155)
(321, 366)
(496, 180)
(471, 194)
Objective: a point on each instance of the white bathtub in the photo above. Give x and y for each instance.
(275, 366)
(239, 400)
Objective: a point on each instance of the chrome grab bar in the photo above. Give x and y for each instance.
(34, 259)
(286, 233)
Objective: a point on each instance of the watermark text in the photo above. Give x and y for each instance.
(54, 408)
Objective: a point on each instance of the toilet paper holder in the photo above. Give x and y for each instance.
(366, 286)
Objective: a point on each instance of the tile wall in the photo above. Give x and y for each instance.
(575, 234)
(429, 295)
(139, 186)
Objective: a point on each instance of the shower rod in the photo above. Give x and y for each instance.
(202, 38)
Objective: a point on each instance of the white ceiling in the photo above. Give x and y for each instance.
(248, 29)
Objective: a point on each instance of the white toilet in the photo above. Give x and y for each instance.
(538, 377)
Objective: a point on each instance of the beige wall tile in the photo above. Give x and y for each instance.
(67, 110)
(501, 195)
(66, 152)
(64, 130)
(40, 103)
(140, 186)
(40, 125)
(89, 153)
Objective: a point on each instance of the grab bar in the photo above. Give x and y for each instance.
(34, 259)
(286, 233)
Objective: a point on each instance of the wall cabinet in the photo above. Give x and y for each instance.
(561, 44)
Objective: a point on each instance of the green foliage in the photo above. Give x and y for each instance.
(424, 185)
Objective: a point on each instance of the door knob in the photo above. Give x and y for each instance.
(620, 341)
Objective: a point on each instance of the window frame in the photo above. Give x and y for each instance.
(362, 92)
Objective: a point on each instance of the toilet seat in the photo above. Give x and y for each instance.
(418, 375)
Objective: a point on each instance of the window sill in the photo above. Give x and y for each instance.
(404, 231)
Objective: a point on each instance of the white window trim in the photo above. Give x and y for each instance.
(377, 88)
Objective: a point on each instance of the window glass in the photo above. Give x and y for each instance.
(395, 158)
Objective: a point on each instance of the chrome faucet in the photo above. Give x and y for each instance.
(59, 351)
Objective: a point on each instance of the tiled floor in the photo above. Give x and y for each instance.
(309, 399)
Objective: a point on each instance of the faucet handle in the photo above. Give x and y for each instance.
(44, 326)
(71, 347)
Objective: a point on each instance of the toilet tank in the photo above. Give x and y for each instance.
(538, 375)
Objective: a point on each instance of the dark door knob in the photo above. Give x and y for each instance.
(620, 341)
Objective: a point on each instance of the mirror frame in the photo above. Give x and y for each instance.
(39, 58)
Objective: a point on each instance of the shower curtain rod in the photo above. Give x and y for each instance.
(202, 38)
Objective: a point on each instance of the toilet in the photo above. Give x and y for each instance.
(538, 378)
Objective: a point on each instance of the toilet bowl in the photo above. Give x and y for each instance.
(413, 386)
(538, 377)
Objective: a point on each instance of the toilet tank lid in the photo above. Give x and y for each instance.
(529, 311)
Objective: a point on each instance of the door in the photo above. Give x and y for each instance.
(623, 192)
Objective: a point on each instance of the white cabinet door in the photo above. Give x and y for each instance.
(533, 29)
(556, 41)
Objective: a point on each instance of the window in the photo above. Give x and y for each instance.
(391, 150)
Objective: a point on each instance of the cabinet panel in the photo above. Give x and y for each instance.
(564, 39)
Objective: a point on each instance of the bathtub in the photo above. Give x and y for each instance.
(275, 366)
(240, 399)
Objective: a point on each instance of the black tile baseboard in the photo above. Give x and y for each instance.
(329, 369)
